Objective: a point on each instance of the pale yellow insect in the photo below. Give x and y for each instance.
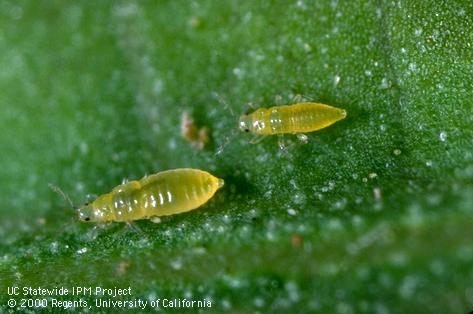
(293, 119)
(164, 193)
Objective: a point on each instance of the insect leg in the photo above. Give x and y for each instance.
(297, 98)
(281, 143)
(134, 227)
(278, 100)
(251, 105)
(257, 139)
(226, 140)
(283, 147)
(302, 137)
(94, 232)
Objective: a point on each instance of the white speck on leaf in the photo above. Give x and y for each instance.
(53, 248)
(377, 194)
(239, 73)
(384, 83)
(443, 136)
(176, 264)
(408, 287)
(82, 250)
(336, 80)
(299, 198)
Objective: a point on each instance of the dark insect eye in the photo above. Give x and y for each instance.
(87, 203)
(247, 130)
(87, 219)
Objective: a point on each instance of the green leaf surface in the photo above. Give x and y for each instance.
(373, 214)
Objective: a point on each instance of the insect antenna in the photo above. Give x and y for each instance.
(297, 98)
(226, 141)
(58, 190)
(233, 131)
(224, 103)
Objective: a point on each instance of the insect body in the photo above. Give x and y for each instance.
(164, 193)
(298, 118)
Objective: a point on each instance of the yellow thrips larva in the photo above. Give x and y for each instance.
(164, 193)
(298, 118)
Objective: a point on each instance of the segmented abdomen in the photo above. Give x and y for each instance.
(299, 118)
(165, 193)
